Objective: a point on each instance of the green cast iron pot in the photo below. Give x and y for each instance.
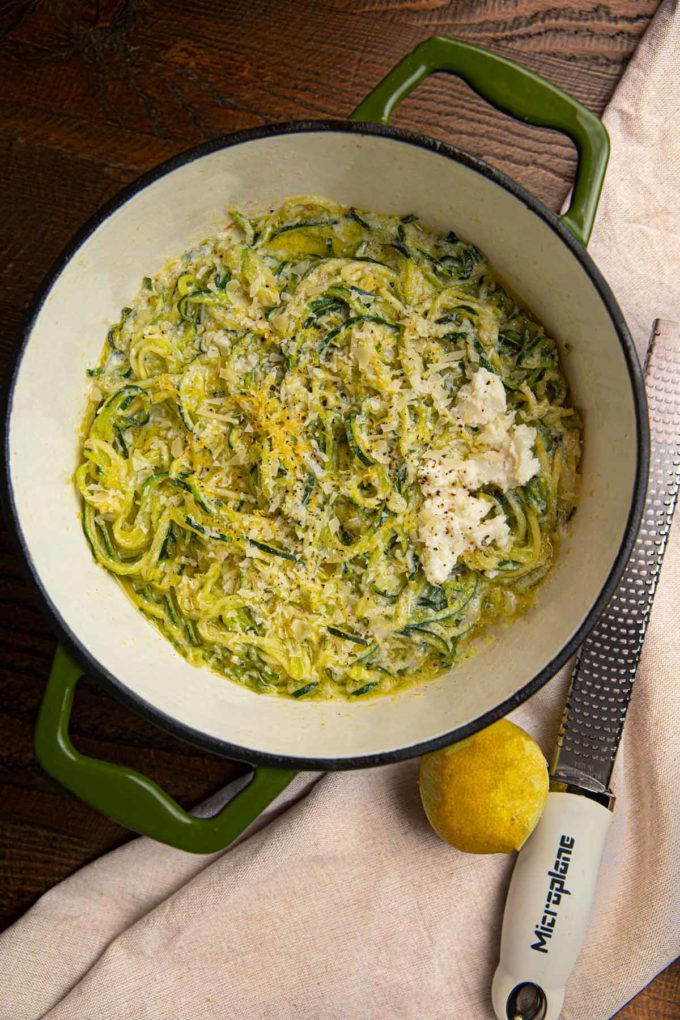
(362, 162)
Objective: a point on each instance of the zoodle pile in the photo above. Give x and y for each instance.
(253, 450)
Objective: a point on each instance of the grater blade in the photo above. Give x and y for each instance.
(602, 681)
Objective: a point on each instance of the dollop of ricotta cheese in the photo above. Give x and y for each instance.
(452, 520)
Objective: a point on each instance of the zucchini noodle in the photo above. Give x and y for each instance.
(257, 422)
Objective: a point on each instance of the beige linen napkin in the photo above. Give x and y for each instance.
(345, 906)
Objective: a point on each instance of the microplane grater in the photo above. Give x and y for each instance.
(554, 880)
(602, 681)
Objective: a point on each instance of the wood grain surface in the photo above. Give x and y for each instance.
(94, 93)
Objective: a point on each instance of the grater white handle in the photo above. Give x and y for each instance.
(548, 907)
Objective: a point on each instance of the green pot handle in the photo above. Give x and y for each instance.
(129, 797)
(513, 90)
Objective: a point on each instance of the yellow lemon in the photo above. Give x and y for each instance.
(485, 794)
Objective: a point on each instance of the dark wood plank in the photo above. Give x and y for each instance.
(660, 1000)
(94, 93)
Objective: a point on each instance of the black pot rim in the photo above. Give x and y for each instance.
(234, 751)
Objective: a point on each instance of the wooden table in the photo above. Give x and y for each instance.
(94, 93)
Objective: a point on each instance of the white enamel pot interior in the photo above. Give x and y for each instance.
(179, 204)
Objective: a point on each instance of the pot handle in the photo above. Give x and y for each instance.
(513, 90)
(129, 797)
